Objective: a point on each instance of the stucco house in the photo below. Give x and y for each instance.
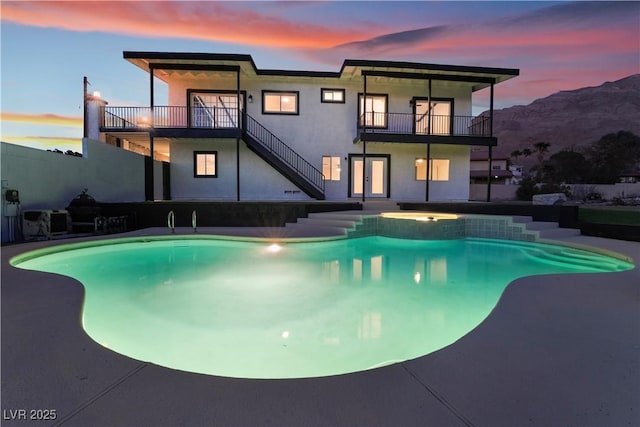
(501, 172)
(373, 129)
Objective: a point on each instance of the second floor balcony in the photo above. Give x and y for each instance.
(388, 127)
(142, 118)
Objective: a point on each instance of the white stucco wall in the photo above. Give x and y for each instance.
(258, 181)
(320, 129)
(47, 180)
(404, 186)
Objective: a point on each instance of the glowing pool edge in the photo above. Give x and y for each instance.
(64, 247)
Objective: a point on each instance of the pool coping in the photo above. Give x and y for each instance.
(554, 351)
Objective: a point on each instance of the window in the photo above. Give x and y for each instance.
(332, 96)
(438, 169)
(331, 168)
(205, 164)
(376, 110)
(276, 102)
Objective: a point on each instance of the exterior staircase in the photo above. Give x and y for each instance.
(283, 158)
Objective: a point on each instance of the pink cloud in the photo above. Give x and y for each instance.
(41, 119)
(226, 22)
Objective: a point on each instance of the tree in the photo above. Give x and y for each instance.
(566, 166)
(613, 154)
(515, 154)
(541, 149)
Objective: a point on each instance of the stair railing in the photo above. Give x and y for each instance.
(285, 153)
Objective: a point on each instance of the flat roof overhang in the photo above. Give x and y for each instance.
(482, 77)
(161, 62)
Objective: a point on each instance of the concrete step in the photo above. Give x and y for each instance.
(313, 230)
(328, 222)
(345, 215)
(557, 233)
(541, 225)
(522, 219)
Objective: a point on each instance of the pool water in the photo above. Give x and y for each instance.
(260, 310)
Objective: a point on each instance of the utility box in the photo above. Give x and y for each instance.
(45, 224)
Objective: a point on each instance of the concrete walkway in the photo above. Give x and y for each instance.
(557, 350)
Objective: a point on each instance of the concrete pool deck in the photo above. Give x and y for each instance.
(556, 350)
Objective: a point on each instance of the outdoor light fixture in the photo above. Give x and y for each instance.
(250, 99)
(96, 94)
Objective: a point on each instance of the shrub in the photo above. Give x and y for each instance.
(527, 189)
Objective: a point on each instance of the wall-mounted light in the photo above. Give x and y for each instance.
(250, 99)
(412, 102)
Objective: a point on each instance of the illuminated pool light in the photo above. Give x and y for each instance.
(274, 248)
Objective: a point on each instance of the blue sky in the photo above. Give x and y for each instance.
(47, 47)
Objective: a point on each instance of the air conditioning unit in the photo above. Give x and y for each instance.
(45, 224)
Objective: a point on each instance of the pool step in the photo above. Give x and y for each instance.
(313, 230)
(545, 229)
(557, 233)
(329, 222)
(325, 224)
(344, 215)
(339, 224)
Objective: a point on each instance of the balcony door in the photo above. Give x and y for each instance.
(441, 111)
(376, 176)
(214, 109)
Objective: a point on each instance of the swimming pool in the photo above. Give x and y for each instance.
(291, 310)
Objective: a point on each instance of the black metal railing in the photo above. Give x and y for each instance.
(284, 153)
(137, 118)
(199, 116)
(412, 124)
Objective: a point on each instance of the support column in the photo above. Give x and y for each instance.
(149, 178)
(428, 172)
(238, 137)
(364, 138)
(429, 109)
(428, 165)
(491, 112)
(489, 174)
(151, 187)
(85, 82)
(490, 148)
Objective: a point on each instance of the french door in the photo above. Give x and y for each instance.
(214, 109)
(440, 117)
(373, 173)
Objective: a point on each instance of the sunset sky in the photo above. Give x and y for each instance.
(47, 47)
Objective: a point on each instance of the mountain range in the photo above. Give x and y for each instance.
(571, 119)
